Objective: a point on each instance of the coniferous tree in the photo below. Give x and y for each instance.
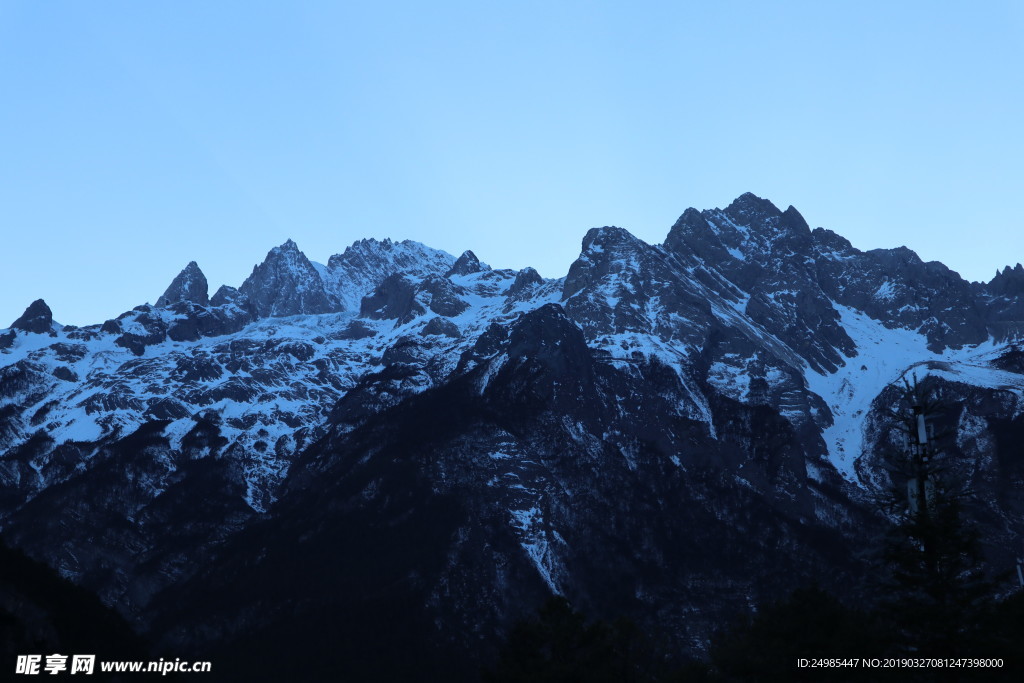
(810, 623)
(559, 645)
(934, 587)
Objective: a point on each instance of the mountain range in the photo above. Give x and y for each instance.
(402, 450)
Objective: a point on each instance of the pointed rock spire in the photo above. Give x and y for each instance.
(749, 205)
(792, 219)
(225, 295)
(466, 264)
(286, 283)
(1008, 282)
(189, 285)
(526, 279)
(36, 318)
(607, 251)
(689, 232)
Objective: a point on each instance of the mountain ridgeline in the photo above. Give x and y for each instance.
(402, 450)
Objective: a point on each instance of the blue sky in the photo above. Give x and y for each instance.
(135, 137)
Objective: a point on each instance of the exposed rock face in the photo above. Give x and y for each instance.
(466, 264)
(1008, 282)
(394, 298)
(286, 283)
(1003, 298)
(668, 433)
(358, 270)
(526, 280)
(442, 296)
(894, 285)
(610, 287)
(37, 318)
(511, 493)
(767, 253)
(190, 285)
(228, 295)
(441, 326)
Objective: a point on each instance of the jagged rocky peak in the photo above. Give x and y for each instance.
(769, 228)
(406, 256)
(1008, 282)
(750, 228)
(613, 236)
(691, 221)
(694, 233)
(610, 244)
(827, 243)
(37, 318)
(364, 253)
(226, 295)
(358, 271)
(362, 250)
(749, 208)
(289, 247)
(466, 264)
(604, 251)
(286, 283)
(794, 220)
(526, 279)
(896, 258)
(189, 285)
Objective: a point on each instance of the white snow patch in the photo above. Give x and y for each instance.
(528, 525)
(885, 292)
(883, 357)
(730, 380)
(493, 367)
(80, 427)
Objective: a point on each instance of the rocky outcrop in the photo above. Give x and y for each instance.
(37, 319)
(467, 264)
(286, 283)
(189, 285)
(362, 267)
(394, 298)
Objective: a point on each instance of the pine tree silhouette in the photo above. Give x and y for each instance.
(559, 645)
(935, 590)
(809, 623)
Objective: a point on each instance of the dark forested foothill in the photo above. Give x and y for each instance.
(42, 613)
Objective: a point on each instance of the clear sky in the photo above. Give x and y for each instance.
(137, 136)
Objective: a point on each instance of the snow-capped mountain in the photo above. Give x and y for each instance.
(668, 431)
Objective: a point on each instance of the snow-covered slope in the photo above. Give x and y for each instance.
(270, 385)
(887, 356)
(738, 301)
